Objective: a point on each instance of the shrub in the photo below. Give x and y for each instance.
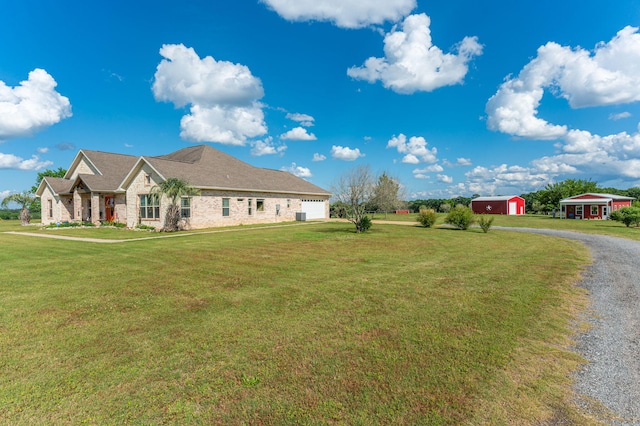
(363, 224)
(145, 227)
(114, 224)
(427, 217)
(461, 217)
(485, 222)
(627, 215)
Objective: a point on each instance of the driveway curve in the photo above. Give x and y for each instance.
(611, 378)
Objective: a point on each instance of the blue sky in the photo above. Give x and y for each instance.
(451, 98)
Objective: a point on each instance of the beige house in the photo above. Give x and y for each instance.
(101, 186)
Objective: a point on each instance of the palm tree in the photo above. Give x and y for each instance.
(24, 199)
(173, 188)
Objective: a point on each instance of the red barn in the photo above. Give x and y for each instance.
(593, 206)
(508, 204)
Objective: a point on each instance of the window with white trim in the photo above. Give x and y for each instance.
(260, 205)
(250, 207)
(578, 210)
(50, 207)
(594, 210)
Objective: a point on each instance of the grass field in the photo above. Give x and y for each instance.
(308, 324)
(603, 227)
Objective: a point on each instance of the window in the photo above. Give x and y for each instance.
(288, 204)
(149, 207)
(594, 210)
(250, 206)
(50, 207)
(260, 205)
(185, 207)
(147, 180)
(578, 210)
(225, 207)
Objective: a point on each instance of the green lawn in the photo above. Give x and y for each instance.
(604, 227)
(308, 324)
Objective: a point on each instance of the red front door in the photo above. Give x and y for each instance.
(109, 206)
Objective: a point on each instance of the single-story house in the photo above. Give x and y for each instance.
(593, 205)
(507, 204)
(101, 186)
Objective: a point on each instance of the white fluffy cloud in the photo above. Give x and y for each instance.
(296, 170)
(486, 181)
(606, 76)
(415, 149)
(298, 134)
(304, 119)
(413, 63)
(445, 178)
(266, 147)
(318, 157)
(343, 13)
(4, 194)
(224, 96)
(345, 153)
(463, 161)
(31, 106)
(10, 161)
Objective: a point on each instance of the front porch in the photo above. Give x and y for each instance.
(588, 211)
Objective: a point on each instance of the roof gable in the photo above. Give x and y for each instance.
(497, 198)
(597, 196)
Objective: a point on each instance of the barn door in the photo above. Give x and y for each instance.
(513, 207)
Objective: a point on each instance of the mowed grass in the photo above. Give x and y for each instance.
(298, 325)
(603, 227)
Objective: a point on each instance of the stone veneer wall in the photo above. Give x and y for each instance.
(206, 208)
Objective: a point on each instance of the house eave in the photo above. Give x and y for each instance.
(274, 191)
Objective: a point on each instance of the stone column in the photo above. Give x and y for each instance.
(95, 208)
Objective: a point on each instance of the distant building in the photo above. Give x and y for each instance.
(508, 204)
(593, 205)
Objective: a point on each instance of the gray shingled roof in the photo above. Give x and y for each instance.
(59, 185)
(206, 167)
(202, 166)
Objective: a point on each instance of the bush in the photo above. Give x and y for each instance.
(363, 224)
(114, 224)
(427, 217)
(485, 222)
(146, 227)
(461, 217)
(627, 215)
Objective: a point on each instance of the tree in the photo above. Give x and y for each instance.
(174, 189)
(24, 199)
(386, 194)
(354, 189)
(551, 195)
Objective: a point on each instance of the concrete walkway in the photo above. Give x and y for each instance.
(155, 237)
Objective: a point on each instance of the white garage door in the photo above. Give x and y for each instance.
(314, 209)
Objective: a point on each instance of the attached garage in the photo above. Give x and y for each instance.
(508, 204)
(314, 209)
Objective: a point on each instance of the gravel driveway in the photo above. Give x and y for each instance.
(612, 345)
